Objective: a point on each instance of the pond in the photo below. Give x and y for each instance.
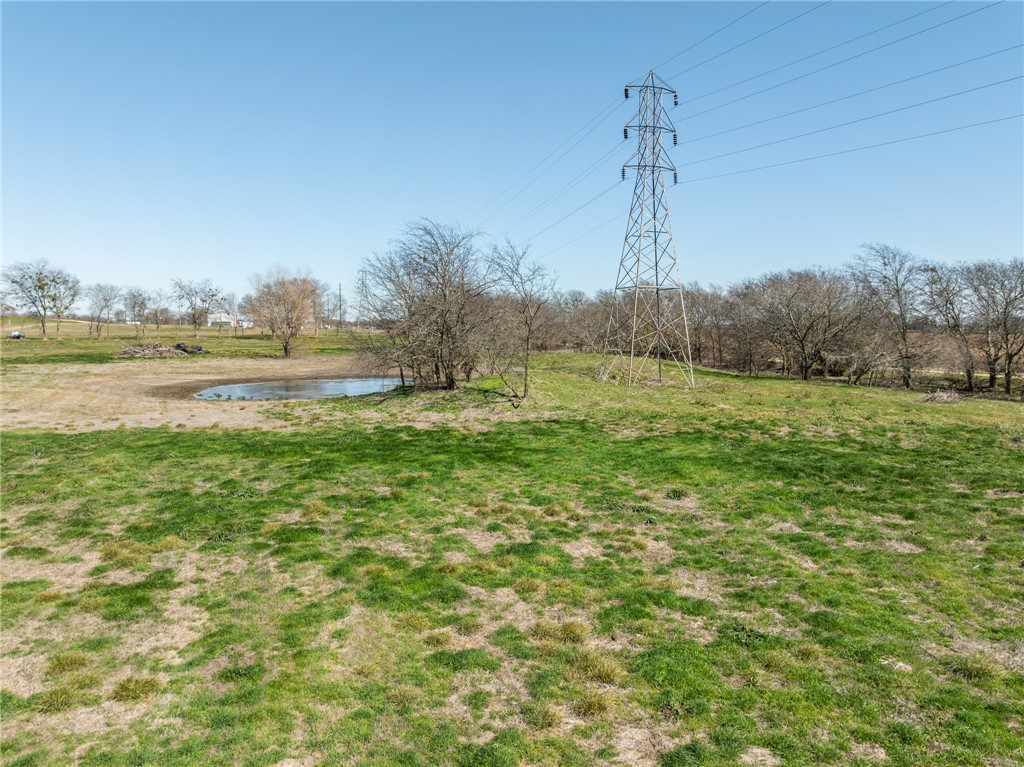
(309, 389)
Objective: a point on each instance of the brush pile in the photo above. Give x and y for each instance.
(947, 395)
(159, 350)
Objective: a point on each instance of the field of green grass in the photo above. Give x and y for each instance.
(74, 347)
(755, 572)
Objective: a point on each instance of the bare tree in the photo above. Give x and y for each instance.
(582, 321)
(228, 303)
(160, 313)
(997, 291)
(136, 307)
(526, 288)
(704, 311)
(65, 290)
(199, 297)
(895, 278)
(948, 300)
(43, 290)
(322, 305)
(425, 295)
(339, 310)
(806, 315)
(103, 297)
(283, 303)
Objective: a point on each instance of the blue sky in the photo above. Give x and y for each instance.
(148, 141)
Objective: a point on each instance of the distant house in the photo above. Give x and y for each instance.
(226, 320)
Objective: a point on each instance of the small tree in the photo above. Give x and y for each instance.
(160, 313)
(228, 304)
(526, 289)
(65, 290)
(283, 303)
(103, 297)
(198, 298)
(43, 290)
(322, 305)
(997, 292)
(895, 278)
(425, 294)
(136, 306)
(947, 299)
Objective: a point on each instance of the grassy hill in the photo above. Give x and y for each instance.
(755, 572)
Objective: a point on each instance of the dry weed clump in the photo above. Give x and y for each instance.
(943, 395)
(150, 351)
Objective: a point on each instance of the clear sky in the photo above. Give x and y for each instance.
(148, 141)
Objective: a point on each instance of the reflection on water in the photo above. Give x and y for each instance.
(325, 389)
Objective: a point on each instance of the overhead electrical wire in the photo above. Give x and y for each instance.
(611, 220)
(842, 61)
(610, 106)
(536, 178)
(854, 122)
(752, 39)
(761, 146)
(572, 183)
(855, 149)
(838, 153)
(600, 115)
(819, 53)
(573, 212)
(853, 95)
(605, 113)
(717, 31)
(695, 66)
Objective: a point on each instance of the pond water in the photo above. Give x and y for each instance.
(311, 389)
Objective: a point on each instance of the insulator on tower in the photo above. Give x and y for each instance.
(675, 177)
(675, 139)
(623, 174)
(675, 99)
(625, 133)
(626, 90)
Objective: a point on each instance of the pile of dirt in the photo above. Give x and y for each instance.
(947, 395)
(159, 350)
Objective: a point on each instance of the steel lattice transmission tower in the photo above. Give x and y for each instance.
(648, 321)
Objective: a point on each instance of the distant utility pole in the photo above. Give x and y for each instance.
(363, 297)
(648, 319)
(341, 306)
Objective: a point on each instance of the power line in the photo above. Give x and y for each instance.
(602, 112)
(854, 122)
(579, 177)
(611, 106)
(854, 95)
(843, 61)
(549, 167)
(752, 39)
(591, 168)
(818, 53)
(717, 31)
(855, 149)
(618, 216)
(593, 199)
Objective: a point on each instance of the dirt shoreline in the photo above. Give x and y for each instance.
(152, 392)
(188, 389)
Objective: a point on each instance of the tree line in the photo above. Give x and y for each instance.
(52, 294)
(446, 309)
(886, 315)
(443, 308)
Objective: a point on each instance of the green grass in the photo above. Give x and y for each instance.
(74, 347)
(821, 572)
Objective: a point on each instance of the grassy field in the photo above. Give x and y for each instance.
(758, 572)
(74, 347)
